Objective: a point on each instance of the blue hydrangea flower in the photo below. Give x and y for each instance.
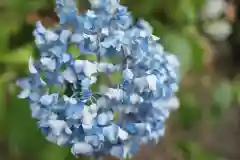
(117, 119)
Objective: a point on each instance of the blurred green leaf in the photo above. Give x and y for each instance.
(23, 6)
(158, 28)
(192, 151)
(22, 130)
(189, 113)
(181, 46)
(10, 25)
(7, 77)
(223, 95)
(236, 89)
(142, 9)
(54, 152)
(2, 108)
(215, 113)
(180, 12)
(19, 56)
(197, 46)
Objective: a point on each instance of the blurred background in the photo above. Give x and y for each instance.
(205, 35)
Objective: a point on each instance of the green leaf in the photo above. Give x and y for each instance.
(115, 77)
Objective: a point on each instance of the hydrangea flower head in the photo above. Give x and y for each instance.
(117, 119)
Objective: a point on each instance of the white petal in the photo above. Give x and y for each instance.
(24, 94)
(123, 135)
(152, 82)
(103, 119)
(82, 148)
(57, 126)
(89, 68)
(31, 66)
(69, 75)
(87, 118)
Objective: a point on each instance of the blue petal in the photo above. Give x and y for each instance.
(111, 133)
(103, 119)
(117, 151)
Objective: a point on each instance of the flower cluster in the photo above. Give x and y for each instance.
(117, 119)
